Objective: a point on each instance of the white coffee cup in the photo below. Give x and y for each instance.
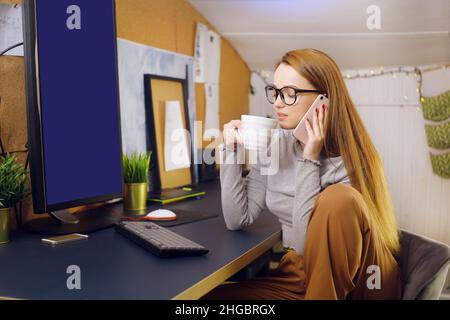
(256, 131)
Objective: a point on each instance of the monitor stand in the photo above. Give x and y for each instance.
(64, 216)
(63, 222)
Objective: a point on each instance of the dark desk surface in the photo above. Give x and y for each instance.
(113, 267)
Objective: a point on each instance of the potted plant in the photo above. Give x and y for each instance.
(135, 175)
(13, 177)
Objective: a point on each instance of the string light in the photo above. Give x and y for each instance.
(395, 71)
(417, 75)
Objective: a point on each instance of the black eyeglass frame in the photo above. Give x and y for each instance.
(296, 90)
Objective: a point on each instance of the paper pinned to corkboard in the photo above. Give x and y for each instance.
(11, 28)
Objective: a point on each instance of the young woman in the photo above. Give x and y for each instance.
(330, 195)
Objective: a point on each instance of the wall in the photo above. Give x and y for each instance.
(165, 24)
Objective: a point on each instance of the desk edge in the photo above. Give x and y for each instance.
(213, 280)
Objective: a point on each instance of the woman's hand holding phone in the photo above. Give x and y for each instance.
(316, 133)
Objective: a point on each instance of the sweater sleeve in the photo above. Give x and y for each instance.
(306, 190)
(243, 199)
(310, 181)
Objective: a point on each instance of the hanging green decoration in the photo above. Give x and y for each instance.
(438, 136)
(441, 164)
(436, 108)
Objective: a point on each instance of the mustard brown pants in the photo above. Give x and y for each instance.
(342, 258)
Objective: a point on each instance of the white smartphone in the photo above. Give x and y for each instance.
(300, 131)
(65, 239)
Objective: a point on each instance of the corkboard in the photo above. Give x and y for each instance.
(165, 24)
(11, 1)
(162, 91)
(13, 127)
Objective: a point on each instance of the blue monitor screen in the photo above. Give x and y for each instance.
(79, 100)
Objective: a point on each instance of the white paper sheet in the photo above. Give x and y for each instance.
(212, 111)
(212, 58)
(11, 28)
(207, 71)
(200, 50)
(207, 55)
(176, 149)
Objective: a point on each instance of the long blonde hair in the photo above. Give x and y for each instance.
(346, 136)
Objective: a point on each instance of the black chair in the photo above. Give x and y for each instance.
(424, 264)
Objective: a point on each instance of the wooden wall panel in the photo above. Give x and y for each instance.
(13, 127)
(234, 86)
(147, 22)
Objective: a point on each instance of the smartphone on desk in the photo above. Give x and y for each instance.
(300, 131)
(65, 239)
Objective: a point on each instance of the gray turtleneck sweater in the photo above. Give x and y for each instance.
(288, 189)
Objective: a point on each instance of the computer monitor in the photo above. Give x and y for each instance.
(73, 111)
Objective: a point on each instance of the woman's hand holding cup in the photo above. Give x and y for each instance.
(231, 134)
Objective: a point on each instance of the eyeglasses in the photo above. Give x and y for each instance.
(288, 94)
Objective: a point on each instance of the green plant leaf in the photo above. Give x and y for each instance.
(135, 167)
(13, 177)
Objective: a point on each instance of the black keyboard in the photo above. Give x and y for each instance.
(159, 240)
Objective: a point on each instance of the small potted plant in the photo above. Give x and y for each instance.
(13, 177)
(135, 175)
